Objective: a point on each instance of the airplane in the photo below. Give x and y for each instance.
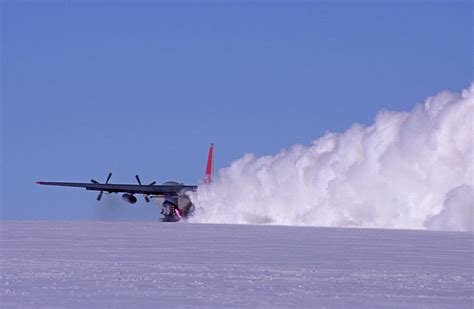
(176, 204)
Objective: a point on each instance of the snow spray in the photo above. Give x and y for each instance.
(409, 170)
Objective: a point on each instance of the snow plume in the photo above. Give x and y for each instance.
(407, 170)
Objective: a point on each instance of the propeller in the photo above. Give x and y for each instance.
(99, 197)
(146, 196)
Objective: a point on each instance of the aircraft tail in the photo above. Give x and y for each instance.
(210, 164)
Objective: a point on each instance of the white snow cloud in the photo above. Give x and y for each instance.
(407, 170)
(457, 213)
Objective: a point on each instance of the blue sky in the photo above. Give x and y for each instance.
(88, 88)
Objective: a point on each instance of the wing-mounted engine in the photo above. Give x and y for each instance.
(146, 196)
(129, 198)
(99, 197)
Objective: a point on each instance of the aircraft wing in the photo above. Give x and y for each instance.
(155, 190)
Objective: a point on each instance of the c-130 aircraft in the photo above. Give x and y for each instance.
(176, 204)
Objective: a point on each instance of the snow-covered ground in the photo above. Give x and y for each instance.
(136, 264)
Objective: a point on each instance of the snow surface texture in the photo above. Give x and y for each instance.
(136, 264)
(409, 170)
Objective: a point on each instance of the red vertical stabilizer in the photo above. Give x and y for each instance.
(210, 164)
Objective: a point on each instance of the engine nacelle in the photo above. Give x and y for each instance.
(129, 198)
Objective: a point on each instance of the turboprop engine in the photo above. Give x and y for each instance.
(129, 198)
